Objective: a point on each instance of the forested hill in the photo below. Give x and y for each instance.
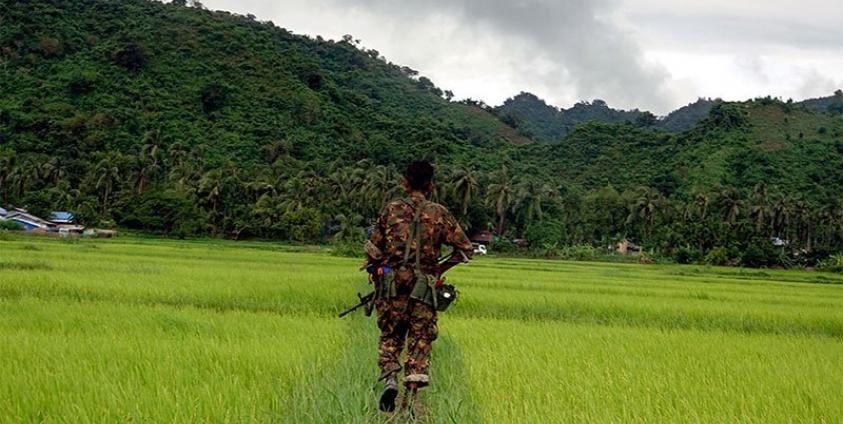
(536, 119)
(89, 76)
(179, 120)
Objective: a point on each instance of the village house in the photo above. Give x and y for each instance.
(29, 222)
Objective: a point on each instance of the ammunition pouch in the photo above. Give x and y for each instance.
(445, 295)
(385, 286)
(426, 291)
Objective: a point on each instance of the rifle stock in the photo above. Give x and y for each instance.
(367, 301)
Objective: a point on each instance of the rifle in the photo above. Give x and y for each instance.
(364, 301)
(449, 261)
(444, 263)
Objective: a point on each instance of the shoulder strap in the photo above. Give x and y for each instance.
(415, 233)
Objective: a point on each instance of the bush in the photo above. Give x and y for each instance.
(169, 212)
(347, 249)
(758, 253)
(503, 246)
(302, 225)
(722, 256)
(582, 252)
(833, 263)
(546, 232)
(10, 226)
(687, 255)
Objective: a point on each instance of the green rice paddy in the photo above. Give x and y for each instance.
(163, 331)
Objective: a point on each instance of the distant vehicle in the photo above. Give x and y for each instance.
(479, 249)
(778, 242)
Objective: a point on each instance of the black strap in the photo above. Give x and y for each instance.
(415, 233)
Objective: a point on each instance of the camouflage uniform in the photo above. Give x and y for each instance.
(400, 318)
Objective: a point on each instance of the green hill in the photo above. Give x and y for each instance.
(105, 75)
(182, 121)
(536, 119)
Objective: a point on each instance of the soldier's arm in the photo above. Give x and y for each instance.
(456, 238)
(376, 245)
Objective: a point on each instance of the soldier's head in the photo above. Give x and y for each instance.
(419, 176)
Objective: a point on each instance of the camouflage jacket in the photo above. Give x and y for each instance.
(438, 227)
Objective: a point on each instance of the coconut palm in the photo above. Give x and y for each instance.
(349, 227)
(730, 205)
(529, 197)
(645, 208)
(759, 209)
(464, 183)
(108, 175)
(500, 195)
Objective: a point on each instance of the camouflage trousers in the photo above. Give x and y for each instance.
(413, 323)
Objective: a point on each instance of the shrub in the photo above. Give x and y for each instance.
(833, 263)
(347, 249)
(168, 212)
(582, 252)
(758, 253)
(503, 246)
(546, 232)
(686, 255)
(10, 226)
(302, 225)
(50, 46)
(721, 256)
(130, 56)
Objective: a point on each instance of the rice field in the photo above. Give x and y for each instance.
(208, 331)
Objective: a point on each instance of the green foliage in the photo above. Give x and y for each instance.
(547, 232)
(833, 263)
(302, 225)
(168, 212)
(10, 226)
(722, 256)
(229, 126)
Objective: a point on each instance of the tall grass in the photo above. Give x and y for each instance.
(165, 331)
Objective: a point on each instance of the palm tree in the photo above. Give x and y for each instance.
(645, 207)
(382, 185)
(108, 176)
(500, 194)
(802, 218)
(730, 205)
(464, 183)
(52, 170)
(177, 155)
(348, 227)
(759, 211)
(530, 195)
(7, 165)
(781, 211)
(210, 188)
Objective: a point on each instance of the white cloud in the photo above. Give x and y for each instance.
(652, 54)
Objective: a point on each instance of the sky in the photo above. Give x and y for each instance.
(653, 55)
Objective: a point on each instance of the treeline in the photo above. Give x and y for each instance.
(186, 122)
(170, 190)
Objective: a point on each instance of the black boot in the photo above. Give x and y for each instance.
(390, 392)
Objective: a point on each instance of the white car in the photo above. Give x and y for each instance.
(479, 249)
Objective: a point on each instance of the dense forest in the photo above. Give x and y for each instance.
(177, 120)
(545, 123)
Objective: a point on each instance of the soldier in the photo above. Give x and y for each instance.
(404, 248)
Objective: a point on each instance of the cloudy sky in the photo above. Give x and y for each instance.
(649, 54)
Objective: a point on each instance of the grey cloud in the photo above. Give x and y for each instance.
(591, 56)
(716, 31)
(815, 84)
